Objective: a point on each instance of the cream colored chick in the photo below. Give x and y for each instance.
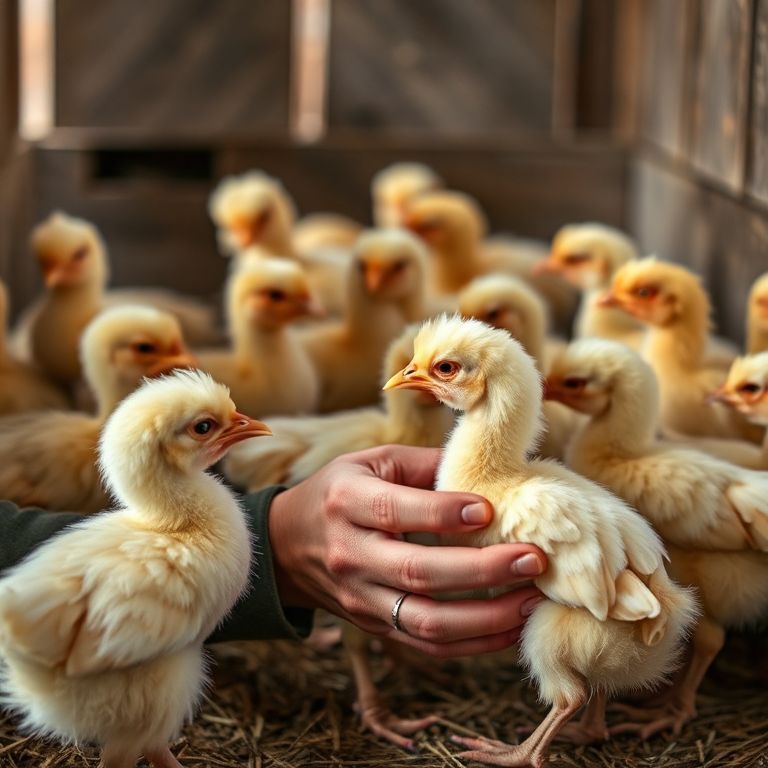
(267, 369)
(102, 627)
(395, 186)
(506, 302)
(588, 255)
(757, 316)
(325, 230)
(613, 620)
(48, 459)
(672, 303)
(698, 504)
(301, 446)
(23, 387)
(453, 226)
(385, 292)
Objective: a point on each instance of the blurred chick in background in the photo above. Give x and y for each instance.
(267, 369)
(48, 459)
(102, 632)
(22, 386)
(712, 515)
(613, 620)
(393, 188)
(757, 316)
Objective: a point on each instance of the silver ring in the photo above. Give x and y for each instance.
(396, 612)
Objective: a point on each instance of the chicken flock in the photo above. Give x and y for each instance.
(635, 456)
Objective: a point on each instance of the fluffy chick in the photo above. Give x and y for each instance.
(385, 292)
(102, 627)
(671, 301)
(613, 620)
(393, 187)
(700, 505)
(48, 459)
(22, 386)
(267, 369)
(506, 302)
(757, 316)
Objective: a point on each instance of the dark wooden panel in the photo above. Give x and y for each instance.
(757, 175)
(722, 90)
(444, 67)
(189, 66)
(667, 64)
(9, 76)
(721, 238)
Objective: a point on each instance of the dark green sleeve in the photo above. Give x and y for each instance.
(257, 616)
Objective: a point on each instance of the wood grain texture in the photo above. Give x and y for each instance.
(442, 67)
(722, 90)
(9, 77)
(194, 66)
(757, 175)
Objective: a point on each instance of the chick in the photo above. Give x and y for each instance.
(757, 316)
(453, 226)
(613, 620)
(325, 230)
(48, 459)
(385, 292)
(300, 446)
(588, 255)
(671, 301)
(267, 369)
(23, 387)
(507, 302)
(102, 627)
(395, 186)
(702, 507)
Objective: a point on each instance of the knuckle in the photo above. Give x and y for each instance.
(338, 559)
(428, 627)
(337, 497)
(415, 575)
(383, 511)
(350, 602)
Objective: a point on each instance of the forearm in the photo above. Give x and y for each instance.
(258, 615)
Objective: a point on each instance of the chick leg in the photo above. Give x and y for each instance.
(532, 753)
(708, 640)
(162, 758)
(373, 713)
(591, 727)
(118, 757)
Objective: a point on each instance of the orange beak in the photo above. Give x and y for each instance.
(54, 276)
(550, 391)
(609, 299)
(549, 265)
(410, 378)
(721, 395)
(242, 428)
(311, 307)
(374, 277)
(167, 363)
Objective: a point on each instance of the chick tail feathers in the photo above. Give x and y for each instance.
(750, 503)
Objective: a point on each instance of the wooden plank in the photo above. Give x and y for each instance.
(667, 64)
(190, 66)
(9, 77)
(722, 90)
(442, 67)
(757, 173)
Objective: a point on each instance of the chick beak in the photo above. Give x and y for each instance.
(550, 390)
(720, 395)
(374, 277)
(410, 378)
(167, 363)
(546, 266)
(609, 299)
(242, 428)
(311, 307)
(55, 276)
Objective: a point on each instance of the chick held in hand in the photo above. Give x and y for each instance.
(102, 627)
(712, 515)
(613, 620)
(48, 458)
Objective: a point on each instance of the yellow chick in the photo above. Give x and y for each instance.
(48, 459)
(587, 256)
(301, 446)
(267, 369)
(393, 187)
(612, 620)
(506, 302)
(757, 316)
(23, 387)
(102, 627)
(672, 303)
(325, 230)
(702, 507)
(385, 292)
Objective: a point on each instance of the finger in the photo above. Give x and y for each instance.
(473, 647)
(401, 464)
(374, 503)
(426, 570)
(449, 621)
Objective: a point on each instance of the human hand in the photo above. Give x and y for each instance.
(336, 545)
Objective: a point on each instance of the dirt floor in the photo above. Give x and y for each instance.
(287, 706)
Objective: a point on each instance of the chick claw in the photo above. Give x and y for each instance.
(387, 725)
(656, 720)
(494, 752)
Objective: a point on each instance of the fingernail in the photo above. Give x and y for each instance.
(526, 609)
(527, 565)
(475, 514)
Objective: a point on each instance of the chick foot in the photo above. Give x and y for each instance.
(493, 752)
(162, 758)
(653, 721)
(590, 729)
(324, 638)
(386, 725)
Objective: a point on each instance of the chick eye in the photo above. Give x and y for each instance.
(494, 314)
(576, 258)
(750, 388)
(203, 427)
(446, 369)
(646, 292)
(80, 253)
(399, 266)
(276, 295)
(144, 348)
(573, 382)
